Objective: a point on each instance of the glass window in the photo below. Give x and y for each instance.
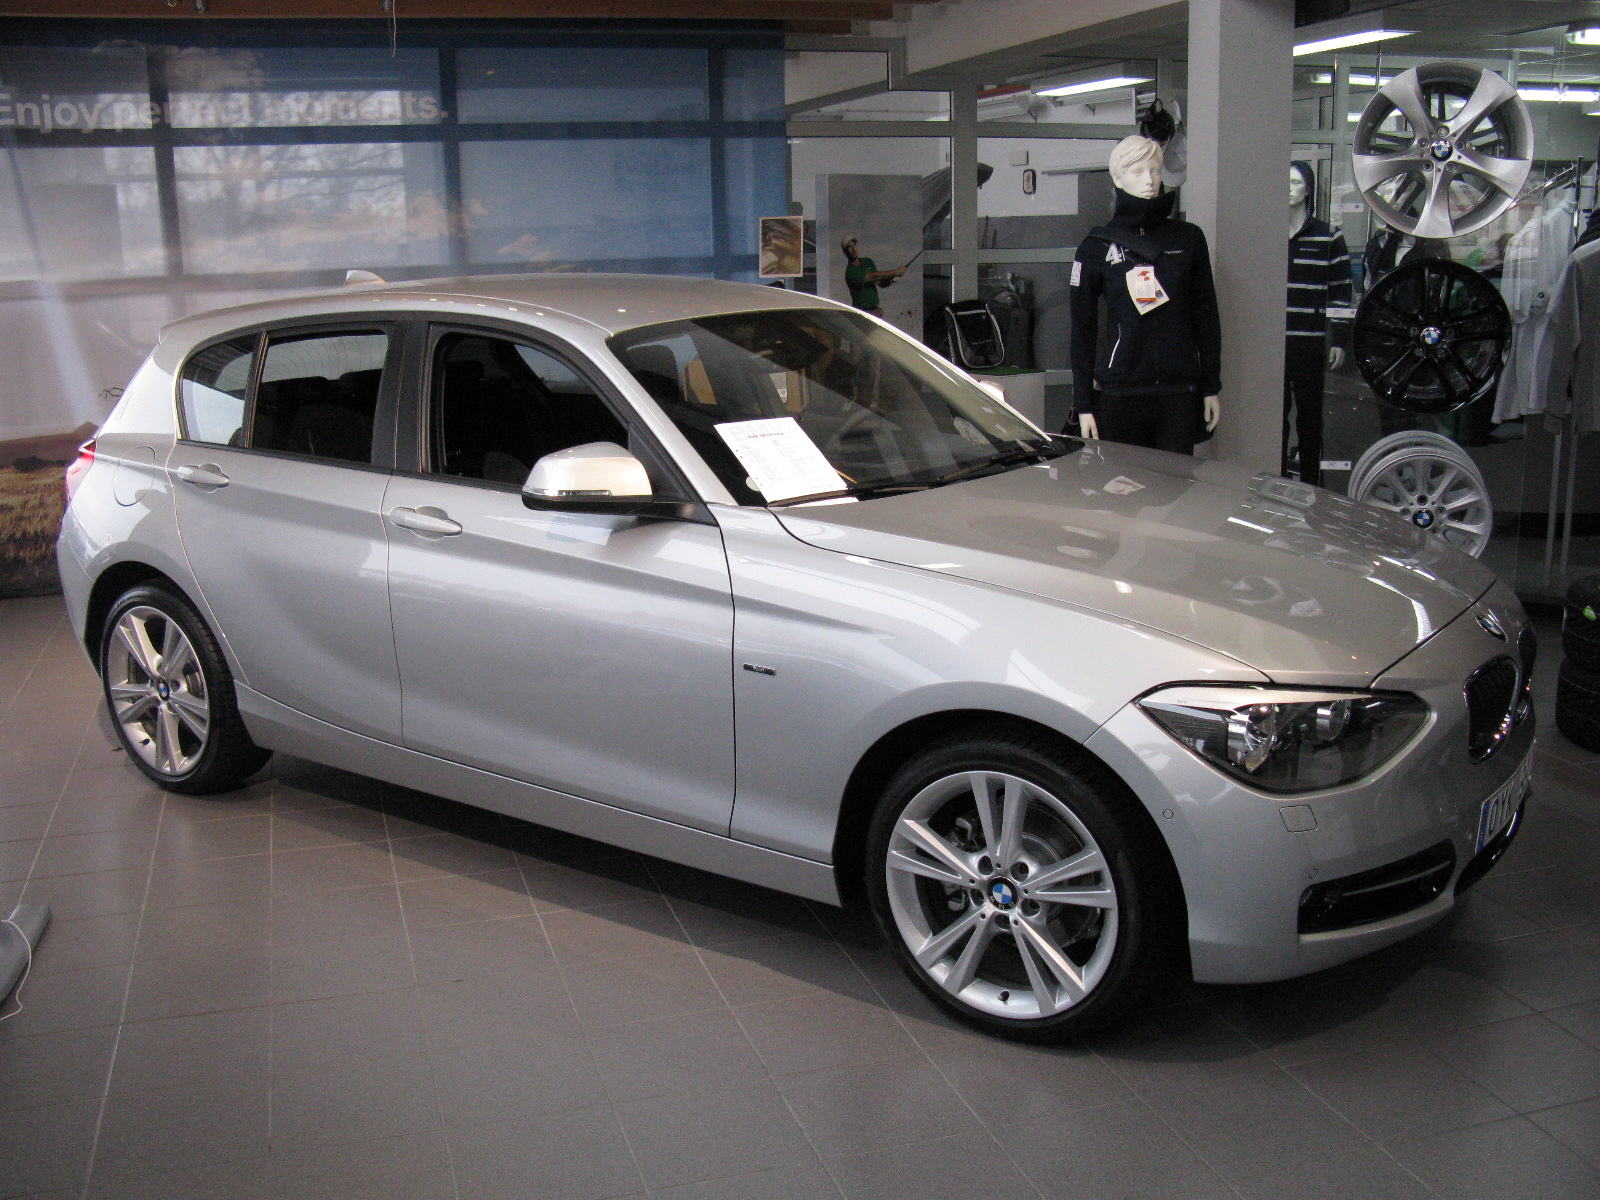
(499, 406)
(626, 203)
(240, 88)
(215, 384)
(309, 207)
(319, 395)
(887, 415)
(571, 83)
(752, 87)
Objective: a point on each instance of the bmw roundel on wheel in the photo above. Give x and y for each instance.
(748, 580)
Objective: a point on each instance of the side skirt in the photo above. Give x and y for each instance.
(279, 727)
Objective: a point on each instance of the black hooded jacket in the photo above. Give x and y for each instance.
(1173, 348)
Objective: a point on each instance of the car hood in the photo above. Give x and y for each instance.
(1301, 584)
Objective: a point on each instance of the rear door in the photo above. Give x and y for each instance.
(279, 480)
(590, 654)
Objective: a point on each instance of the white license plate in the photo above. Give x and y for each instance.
(1499, 808)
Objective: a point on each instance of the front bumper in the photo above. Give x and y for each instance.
(1246, 859)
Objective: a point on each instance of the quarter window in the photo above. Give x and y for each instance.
(318, 395)
(499, 406)
(216, 382)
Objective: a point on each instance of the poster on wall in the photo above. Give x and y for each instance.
(783, 250)
(31, 496)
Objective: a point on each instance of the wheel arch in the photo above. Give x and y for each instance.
(112, 583)
(884, 757)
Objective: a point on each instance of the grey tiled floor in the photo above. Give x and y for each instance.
(321, 987)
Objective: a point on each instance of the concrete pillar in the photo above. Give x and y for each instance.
(1240, 88)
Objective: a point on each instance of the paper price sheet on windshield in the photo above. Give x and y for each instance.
(781, 458)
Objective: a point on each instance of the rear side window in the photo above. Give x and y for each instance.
(216, 382)
(318, 395)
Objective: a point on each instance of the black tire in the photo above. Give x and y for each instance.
(1579, 726)
(1577, 688)
(198, 764)
(1580, 623)
(1578, 705)
(1144, 920)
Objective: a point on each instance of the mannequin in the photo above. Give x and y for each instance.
(1319, 274)
(1158, 381)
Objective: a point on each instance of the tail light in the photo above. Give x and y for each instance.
(79, 467)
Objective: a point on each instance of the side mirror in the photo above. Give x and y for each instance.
(596, 477)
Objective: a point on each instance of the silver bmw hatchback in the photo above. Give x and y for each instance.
(748, 580)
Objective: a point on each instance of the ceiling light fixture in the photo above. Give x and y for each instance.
(1345, 40)
(1560, 94)
(1349, 31)
(1100, 85)
(1584, 33)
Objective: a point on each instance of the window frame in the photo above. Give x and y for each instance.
(382, 455)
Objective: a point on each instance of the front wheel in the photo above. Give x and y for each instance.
(170, 695)
(1020, 889)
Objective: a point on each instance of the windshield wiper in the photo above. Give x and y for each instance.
(1011, 458)
(858, 491)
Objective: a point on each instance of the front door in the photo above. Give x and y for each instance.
(589, 654)
(280, 506)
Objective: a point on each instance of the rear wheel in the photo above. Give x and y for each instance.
(1020, 890)
(170, 695)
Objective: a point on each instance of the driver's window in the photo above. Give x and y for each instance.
(499, 406)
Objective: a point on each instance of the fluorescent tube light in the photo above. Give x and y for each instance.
(1584, 33)
(1345, 40)
(1095, 85)
(1567, 95)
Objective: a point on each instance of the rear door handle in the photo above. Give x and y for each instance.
(428, 521)
(208, 477)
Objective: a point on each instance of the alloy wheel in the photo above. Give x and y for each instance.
(1436, 491)
(158, 691)
(1442, 149)
(1001, 895)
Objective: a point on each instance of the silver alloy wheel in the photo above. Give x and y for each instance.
(1437, 491)
(1385, 446)
(1001, 894)
(1442, 149)
(157, 690)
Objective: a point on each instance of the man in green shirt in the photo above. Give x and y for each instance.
(862, 277)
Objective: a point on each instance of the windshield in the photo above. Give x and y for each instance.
(797, 404)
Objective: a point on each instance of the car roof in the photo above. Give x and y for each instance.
(611, 302)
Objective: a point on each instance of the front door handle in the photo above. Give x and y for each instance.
(428, 521)
(208, 477)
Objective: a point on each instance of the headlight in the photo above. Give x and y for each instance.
(1288, 739)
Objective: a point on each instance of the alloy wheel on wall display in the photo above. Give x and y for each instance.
(1431, 336)
(1443, 149)
(1431, 483)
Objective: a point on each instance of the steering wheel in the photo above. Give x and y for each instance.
(1431, 336)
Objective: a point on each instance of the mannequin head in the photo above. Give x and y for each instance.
(1301, 181)
(1136, 167)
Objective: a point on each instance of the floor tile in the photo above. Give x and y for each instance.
(822, 1030)
(950, 1168)
(575, 1155)
(673, 1054)
(1527, 1062)
(547, 1070)
(1508, 1160)
(806, 1180)
(413, 1167)
(1119, 1150)
(847, 1111)
(47, 1147)
(55, 1068)
(1399, 1093)
(1575, 1126)
(735, 1129)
